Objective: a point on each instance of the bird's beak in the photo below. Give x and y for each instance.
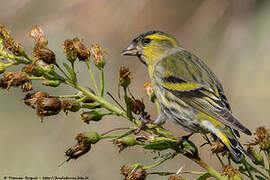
(131, 50)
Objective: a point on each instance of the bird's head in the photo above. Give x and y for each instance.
(150, 46)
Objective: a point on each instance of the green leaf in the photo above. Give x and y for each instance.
(71, 72)
(260, 177)
(204, 176)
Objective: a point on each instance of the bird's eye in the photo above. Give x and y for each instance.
(146, 41)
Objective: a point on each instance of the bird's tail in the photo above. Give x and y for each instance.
(228, 138)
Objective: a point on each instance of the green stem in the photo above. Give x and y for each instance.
(254, 168)
(160, 162)
(247, 168)
(92, 76)
(117, 136)
(68, 96)
(101, 82)
(102, 101)
(36, 78)
(67, 76)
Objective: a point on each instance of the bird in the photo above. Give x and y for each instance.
(188, 91)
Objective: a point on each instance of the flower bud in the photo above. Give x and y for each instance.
(94, 115)
(44, 54)
(124, 77)
(48, 106)
(38, 36)
(44, 67)
(99, 59)
(88, 137)
(72, 106)
(52, 83)
(125, 142)
(148, 89)
(2, 67)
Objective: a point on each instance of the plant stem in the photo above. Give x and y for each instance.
(102, 101)
(117, 136)
(247, 168)
(67, 76)
(115, 129)
(253, 168)
(208, 168)
(92, 76)
(160, 162)
(68, 96)
(101, 82)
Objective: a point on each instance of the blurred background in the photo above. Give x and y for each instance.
(232, 37)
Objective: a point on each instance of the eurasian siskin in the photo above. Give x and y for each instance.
(188, 92)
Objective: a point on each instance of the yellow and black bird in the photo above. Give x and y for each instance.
(188, 92)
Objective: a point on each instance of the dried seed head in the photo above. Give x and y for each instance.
(38, 36)
(124, 77)
(44, 54)
(77, 151)
(72, 106)
(71, 52)
(137, 106)
(231, 173)
(84, 141)
(83, 52)
(4, 33)
(48, 106)
(94, 115)
(27, 86)
(263, 138)
(137, 174)
(15, 78)
(218, 147)
(31, 99)
(125, 170)
(14, 47)
(3, 84)
(99, 59)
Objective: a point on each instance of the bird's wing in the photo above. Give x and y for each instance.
(189, 79)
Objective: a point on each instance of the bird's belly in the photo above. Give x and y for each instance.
(179, 112)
